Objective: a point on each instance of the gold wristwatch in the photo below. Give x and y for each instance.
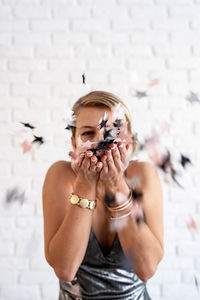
(82, 202)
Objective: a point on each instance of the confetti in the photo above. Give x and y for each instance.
(117, 123)
(13, 195)
(196, 281)
(136, 195)
(109, 199)
(165, 127)
(118, 112)
(192, 97)
(38, 139)
(110, 133)
(28, 125)
(167, 167)
(133, 182)
(192, 224)
(88, 144)
(26, 146)
(83, 78)
(69, 118)
(153, 154)
(103, 121)
(140, 94)
(185, 160)
(153, 82)
(125, 135)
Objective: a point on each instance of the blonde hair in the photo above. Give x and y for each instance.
(102, 99)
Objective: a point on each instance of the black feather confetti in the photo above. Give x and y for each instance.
(192, 97)
(140, 94)
(83, 78)
(110, 133)
(117, 123)
(109, 199)
(38, 139)
(196, 281)
(185, 160)
(140, 219)
(13, 195)
(68, 127)
(166, 165)
(69, 118)
(136, 195)
(28, 125)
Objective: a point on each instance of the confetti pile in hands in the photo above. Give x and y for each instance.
(116, 132)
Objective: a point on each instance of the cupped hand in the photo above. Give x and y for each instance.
(114, 165)
(86, 166)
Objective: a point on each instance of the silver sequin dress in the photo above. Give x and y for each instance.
(104, 276)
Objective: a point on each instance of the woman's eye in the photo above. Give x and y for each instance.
(87, 133)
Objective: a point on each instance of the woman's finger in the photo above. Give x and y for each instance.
(104, 166)
(80, 159)
(109, 160)
(116, 156)
(122, 151)
(75, 164)
(93, 163)
(99, 166)
(86, 162)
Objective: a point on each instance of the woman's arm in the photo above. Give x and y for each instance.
(143, 243)
(66, 226)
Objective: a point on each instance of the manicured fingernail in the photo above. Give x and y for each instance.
(121, 145)
(82, 155)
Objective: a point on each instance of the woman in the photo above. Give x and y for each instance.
(96, 239)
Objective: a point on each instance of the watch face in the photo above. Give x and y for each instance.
(74, 199)
(84, 203)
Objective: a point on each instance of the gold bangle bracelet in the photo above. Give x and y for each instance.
(124, 207)
(127, 203)
(121, 217)
(116, 208)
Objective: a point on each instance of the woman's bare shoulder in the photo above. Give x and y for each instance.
(59, 170)
(136, 166)
(132, 168)
(144, 171)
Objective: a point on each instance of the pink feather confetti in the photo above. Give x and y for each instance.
(153, 82)
(26, 146)
(191, 225)
(165, 127)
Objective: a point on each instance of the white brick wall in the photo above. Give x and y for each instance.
(121, 45)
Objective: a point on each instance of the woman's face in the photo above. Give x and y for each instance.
(87, 129)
